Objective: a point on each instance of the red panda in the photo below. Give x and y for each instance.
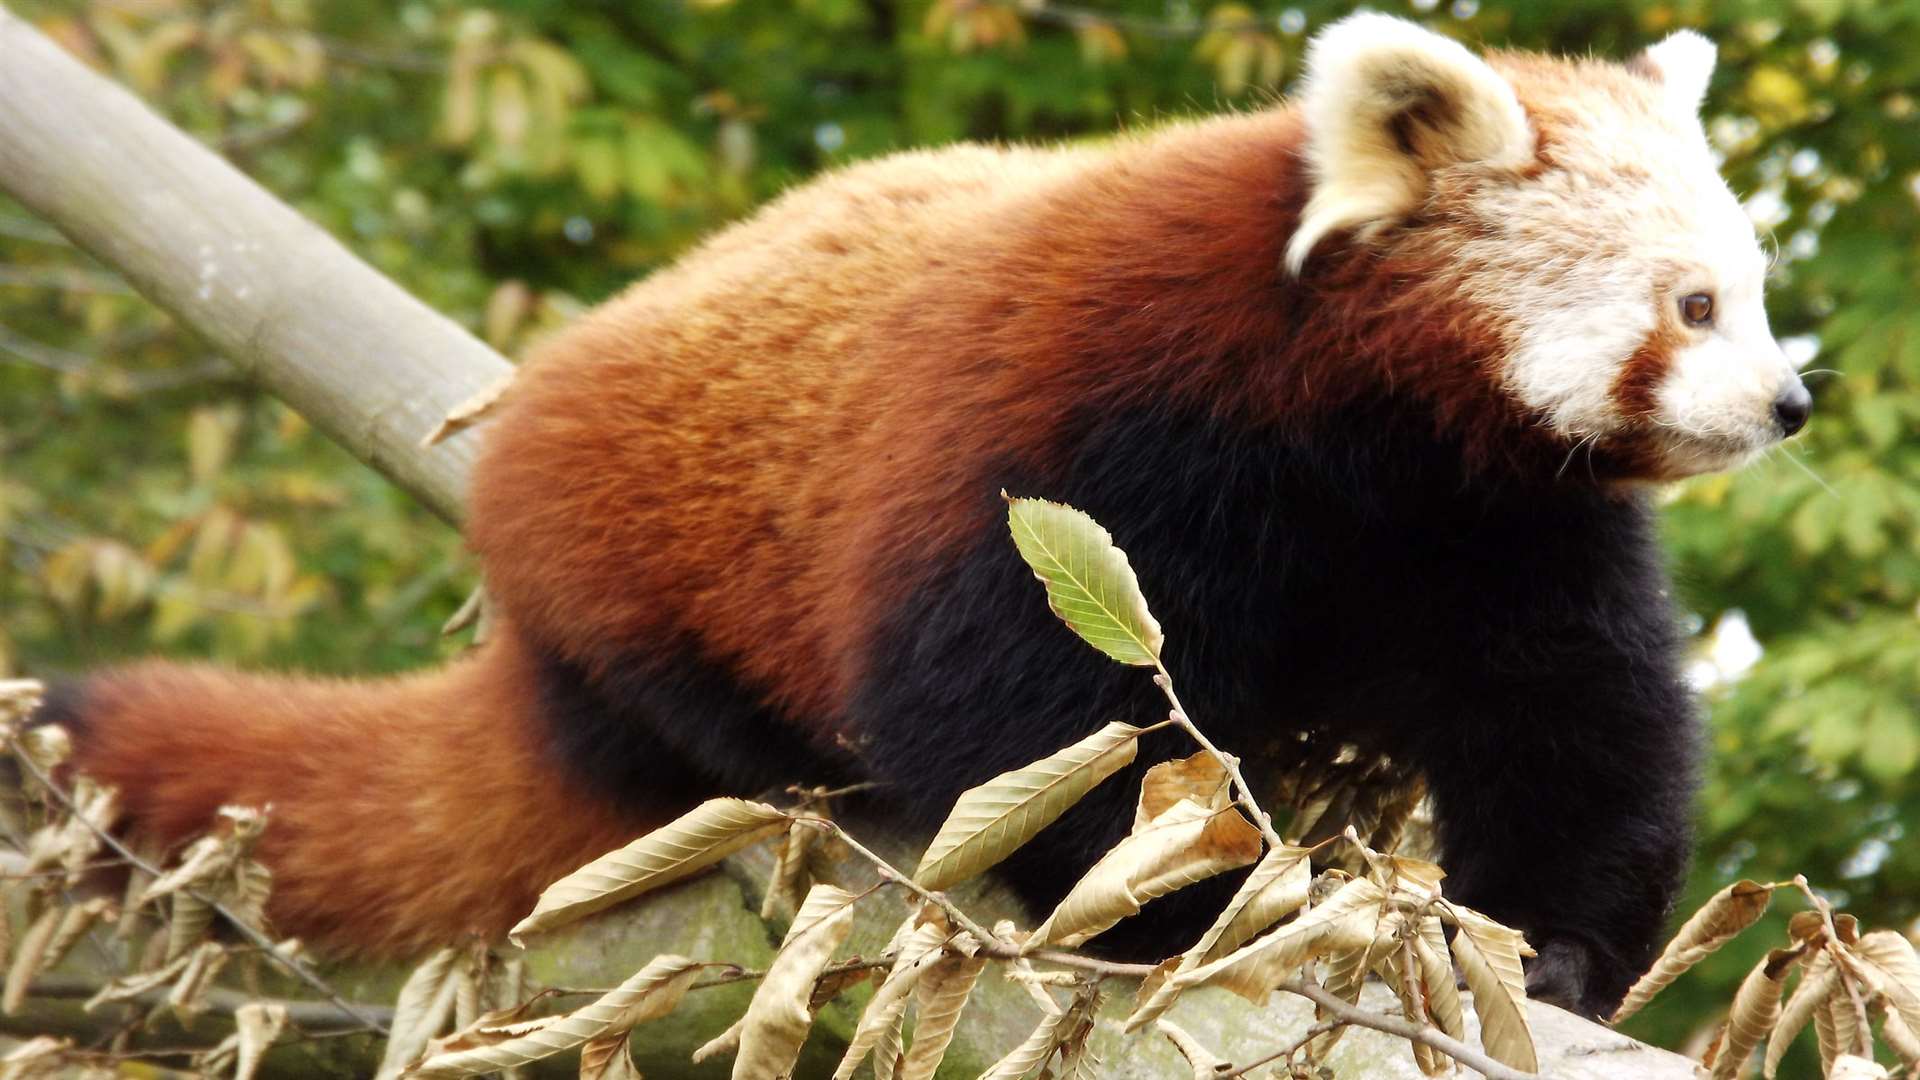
(1370, 387)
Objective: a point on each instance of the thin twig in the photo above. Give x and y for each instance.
(319, 1016)
(747, 974)
(888, 872)
(1862, 1031)
(1424, 1034)
(1287, 1051)
(254, 936)
(1243, 794)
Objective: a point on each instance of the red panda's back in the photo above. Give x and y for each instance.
(673, 464)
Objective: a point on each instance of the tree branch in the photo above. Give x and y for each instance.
(303, 317)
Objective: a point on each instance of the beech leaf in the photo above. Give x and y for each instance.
(1275, 889)
(1817, 983)
(1344, 920)
(256, 1026)
(1489, 956)
(1756, 1009)
(606, 1058)
(651, 993)
(939, 999)
(991, 821)
(777, 1018)
(1053, 1030)
(1188, 842)
(692, 842)
(1089, 584)
(1728, 912)
(1892, 957)
(1436, 973)
(426, 1003)
(888, 1007)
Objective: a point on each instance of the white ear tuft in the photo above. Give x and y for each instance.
(1386, 102)
(1683, 63)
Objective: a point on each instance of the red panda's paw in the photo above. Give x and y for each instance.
(1567, 973)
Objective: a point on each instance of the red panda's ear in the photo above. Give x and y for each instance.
(1681, 63)
(1386, 102)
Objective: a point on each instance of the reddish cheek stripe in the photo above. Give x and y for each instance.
(1636, 389)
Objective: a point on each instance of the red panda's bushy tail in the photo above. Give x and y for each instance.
(405, 813)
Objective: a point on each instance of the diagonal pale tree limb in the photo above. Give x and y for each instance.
(302, 316)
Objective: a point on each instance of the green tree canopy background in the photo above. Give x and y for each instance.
(512, 163)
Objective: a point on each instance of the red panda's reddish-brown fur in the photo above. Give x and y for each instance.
(402, 814)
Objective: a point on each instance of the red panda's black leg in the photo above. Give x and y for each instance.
(1563, 802)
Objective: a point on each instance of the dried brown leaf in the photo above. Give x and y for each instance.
(27, 959)
(990, 821)
(788, 883)
(1189, 842)
(727, 1042)
(1728, 912)
(18, 697)
(1053, 1030)
(425, 1004)
(886, 1053)
(74, 922)
(1200, 778)
(888, 1007)
(651, 993)
(1891, 957)
(1436, 975)
(606, 1058)
(256, 1024)
(1848, 1026)
(1899, 1037)
(1852, 1067)
(1818, 980)
(1756, 1008)
(1344, 972)
(1089, 584)
(777, 1018)
(129, 987)
(690, 843)
(1344, 921)
(939, 1000)
(1205, 1064)
(189, 919)
(1489, 956)
(188, 997)
(1401, 969)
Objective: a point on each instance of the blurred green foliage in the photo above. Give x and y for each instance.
(512, 163)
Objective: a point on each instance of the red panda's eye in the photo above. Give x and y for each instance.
(1697, 308)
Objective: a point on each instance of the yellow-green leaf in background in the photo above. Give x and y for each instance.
(1089, 583)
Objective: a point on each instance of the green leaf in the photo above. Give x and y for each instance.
(1089, 584)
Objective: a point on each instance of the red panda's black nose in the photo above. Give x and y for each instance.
(1792, 408)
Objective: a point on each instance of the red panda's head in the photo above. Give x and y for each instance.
(1578, 205)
